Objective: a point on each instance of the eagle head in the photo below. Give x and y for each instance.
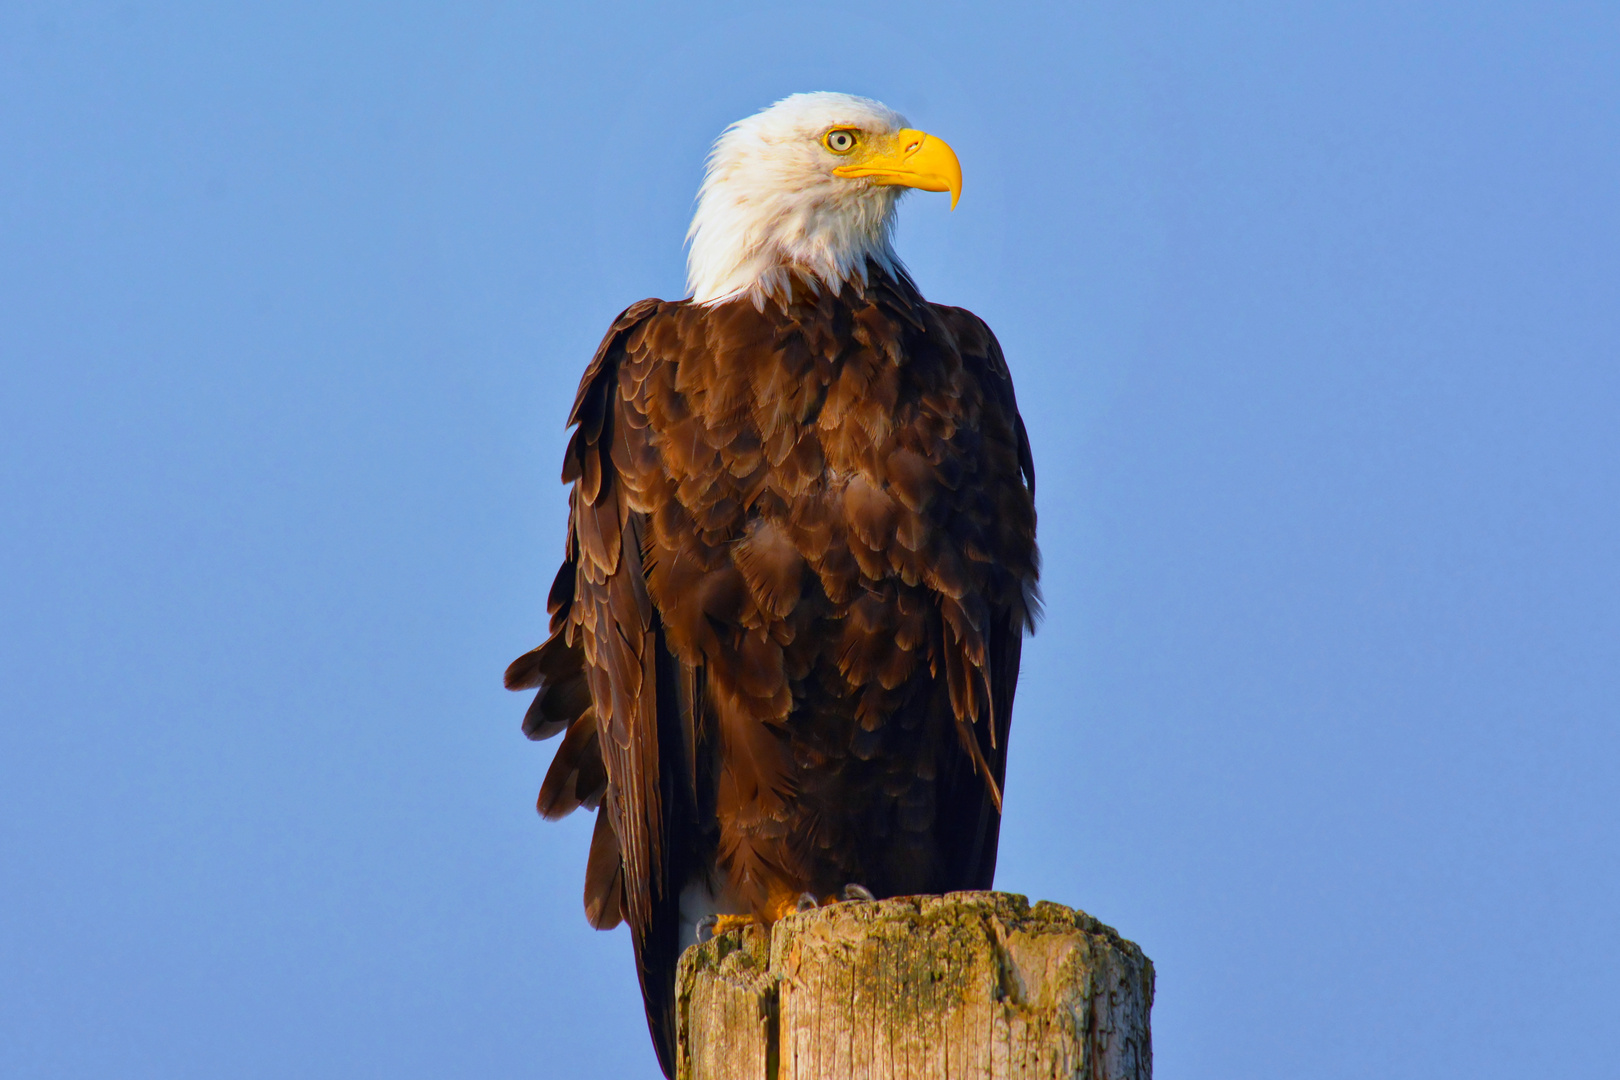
(807, 189)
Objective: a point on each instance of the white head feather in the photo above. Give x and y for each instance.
(770, 207)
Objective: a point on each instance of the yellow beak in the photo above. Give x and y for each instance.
(911, 159)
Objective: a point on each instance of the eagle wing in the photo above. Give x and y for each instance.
(972, 805)
(623, 752)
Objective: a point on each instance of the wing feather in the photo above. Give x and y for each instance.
(629, 875)
(990, 645)
(606, 647)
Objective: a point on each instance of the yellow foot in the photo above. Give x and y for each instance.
(712, 926)
(807, 901)
(783, 906)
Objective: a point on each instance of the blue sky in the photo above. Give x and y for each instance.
(1314, 313)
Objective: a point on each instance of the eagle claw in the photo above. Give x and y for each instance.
(858, 893)
(808, 902)
(712, 926)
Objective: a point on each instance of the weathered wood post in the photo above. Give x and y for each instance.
(968, 986)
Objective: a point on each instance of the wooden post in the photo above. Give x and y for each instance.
(967, 986)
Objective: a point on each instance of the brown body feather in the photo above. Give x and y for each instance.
(785, 636)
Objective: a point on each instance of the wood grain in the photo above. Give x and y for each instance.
(966, 986)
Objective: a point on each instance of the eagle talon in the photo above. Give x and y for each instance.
(722, 924)
(854, 893)
(808, 902)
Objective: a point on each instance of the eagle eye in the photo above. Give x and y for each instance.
(839, 140)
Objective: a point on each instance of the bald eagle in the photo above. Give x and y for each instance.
(800, 560)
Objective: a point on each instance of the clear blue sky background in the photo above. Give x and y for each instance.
(1314, 312)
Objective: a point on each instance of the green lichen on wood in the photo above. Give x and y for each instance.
(967, 985)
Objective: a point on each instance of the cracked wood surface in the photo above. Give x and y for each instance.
(967, 986)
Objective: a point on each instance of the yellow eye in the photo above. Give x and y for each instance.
(839, 140)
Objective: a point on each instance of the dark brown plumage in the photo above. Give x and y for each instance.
(785, 635)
